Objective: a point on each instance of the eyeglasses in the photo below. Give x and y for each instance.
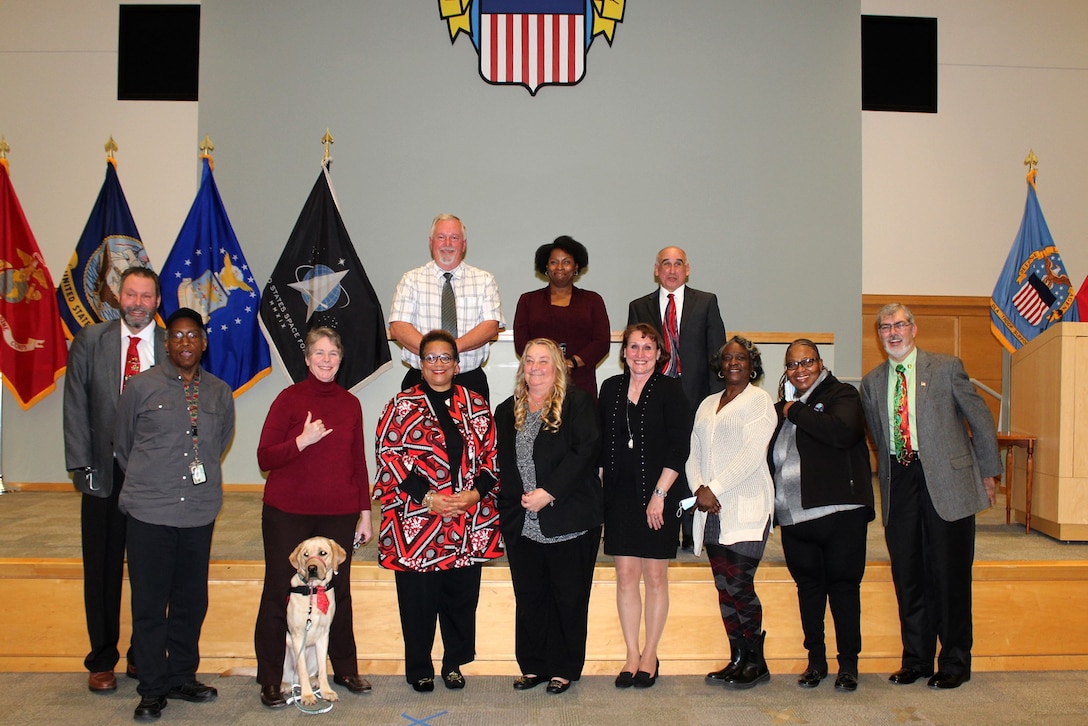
(897, 327)
(803, 363)
(432, 358)
(454, 238)
(178, 335)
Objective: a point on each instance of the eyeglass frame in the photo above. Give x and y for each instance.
(899, 326)
(805, 363)
(432, 358)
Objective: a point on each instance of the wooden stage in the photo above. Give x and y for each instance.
(1028, 616)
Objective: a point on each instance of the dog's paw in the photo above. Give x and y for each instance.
(329, 695)
(308, 699)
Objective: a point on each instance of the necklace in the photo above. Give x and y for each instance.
(627, 417)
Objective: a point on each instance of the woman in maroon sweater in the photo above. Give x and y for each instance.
(312, 448)
(574, 318)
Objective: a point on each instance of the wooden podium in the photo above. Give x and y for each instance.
(1050, 401)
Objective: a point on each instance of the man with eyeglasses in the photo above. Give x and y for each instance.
(935, 475)
(691, 329)
(174, 423)
(447, 294)
(102, 358)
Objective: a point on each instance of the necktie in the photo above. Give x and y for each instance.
(901, 435)
(449, 307)
(132, 360)
(672, 339)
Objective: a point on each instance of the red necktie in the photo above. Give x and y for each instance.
(672, 339)
(132, 360)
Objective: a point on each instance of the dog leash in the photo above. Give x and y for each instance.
(322, 706)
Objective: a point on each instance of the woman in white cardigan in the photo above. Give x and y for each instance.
(727, 472)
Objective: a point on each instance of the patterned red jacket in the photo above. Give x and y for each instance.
(410, 440)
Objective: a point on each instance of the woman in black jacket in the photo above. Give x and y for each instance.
(824, 503)
(550, 512)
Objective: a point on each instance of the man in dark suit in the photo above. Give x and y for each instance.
(700, 330)
(935, 474)
(101, 358)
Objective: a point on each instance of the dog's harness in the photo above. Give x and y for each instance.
(318, 594)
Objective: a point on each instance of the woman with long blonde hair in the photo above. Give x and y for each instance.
(551, 511)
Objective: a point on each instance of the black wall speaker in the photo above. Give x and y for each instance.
(158, 55)
(898, 64)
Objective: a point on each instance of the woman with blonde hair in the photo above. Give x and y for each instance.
(550, 511)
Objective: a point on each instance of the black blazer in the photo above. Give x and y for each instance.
(702, 334)
(831, 443)
(566, 466)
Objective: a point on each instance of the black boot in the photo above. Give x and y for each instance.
(736, 648)
(753, 669)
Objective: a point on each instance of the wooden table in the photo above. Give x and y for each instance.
(1026, 442)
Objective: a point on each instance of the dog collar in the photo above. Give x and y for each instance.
(318, 595)
(305, 589)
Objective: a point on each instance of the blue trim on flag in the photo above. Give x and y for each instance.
(555, 7)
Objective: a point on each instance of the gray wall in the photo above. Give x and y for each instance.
(730, 128)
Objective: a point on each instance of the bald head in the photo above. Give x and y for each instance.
(671, 268)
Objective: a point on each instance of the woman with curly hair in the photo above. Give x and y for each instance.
(550, 510)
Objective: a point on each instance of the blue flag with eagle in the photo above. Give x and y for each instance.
(320, 282)
(206, 271)
(1034, 290)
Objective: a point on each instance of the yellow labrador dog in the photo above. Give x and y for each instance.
(310, 609)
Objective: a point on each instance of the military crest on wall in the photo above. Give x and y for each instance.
(532, 43)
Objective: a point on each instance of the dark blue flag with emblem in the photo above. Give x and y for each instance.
(320, 282)
(1034, 290)
(207, 272)
(110, 244)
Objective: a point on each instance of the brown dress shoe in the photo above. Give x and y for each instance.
(355, 684)
(102, 681)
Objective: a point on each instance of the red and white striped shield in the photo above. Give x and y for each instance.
(533, 43)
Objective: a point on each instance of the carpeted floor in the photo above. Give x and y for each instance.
(1055, 699)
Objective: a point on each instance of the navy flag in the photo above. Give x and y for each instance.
(206, 271)
(109, 245)
(320, 282)
(1034, 290)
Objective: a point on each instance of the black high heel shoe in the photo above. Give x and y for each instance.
(643, 679)
(625, 679)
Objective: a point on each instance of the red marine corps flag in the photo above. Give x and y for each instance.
(33, 352)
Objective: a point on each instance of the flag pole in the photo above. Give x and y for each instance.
(4, 149)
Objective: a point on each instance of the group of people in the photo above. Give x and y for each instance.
(683, 439)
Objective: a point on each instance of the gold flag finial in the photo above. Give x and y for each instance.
(206, 146)
(1031, 161)
(111, 146)
(4, 148)
(327, 141)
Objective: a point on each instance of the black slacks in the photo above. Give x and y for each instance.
(103, 528)
(931, 569)
(282, 532)
(826, 558)
(168, 574)
(552, 584)
(451, 596)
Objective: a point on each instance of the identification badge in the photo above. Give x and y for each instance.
(196, 471)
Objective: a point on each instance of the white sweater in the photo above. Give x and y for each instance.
(729, 455)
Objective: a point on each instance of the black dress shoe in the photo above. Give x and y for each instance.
(812, 677)
(454, 680)
(272, 697)
(194, 691)
(524, 683)
(557, 686)
(846, 682)
(150, 708)
(355, 683)
(424, 685)
(643, 679)
(948, 680)
(906, 676)
(625, 679)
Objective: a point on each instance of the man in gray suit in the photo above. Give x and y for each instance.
(935, 474)
(701, 334)
(97, 363)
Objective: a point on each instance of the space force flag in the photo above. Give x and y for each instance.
(109, 245)
(1034, 290)
(33, 352)
(320, 282)
(207, 272)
